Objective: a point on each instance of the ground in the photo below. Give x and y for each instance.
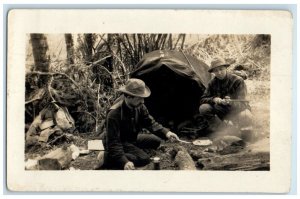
(220, 156)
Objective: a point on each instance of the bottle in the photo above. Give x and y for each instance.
(156, 162)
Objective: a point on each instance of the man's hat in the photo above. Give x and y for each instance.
(217, 62)
(136, 87)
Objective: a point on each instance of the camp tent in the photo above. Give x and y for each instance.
(177, 81)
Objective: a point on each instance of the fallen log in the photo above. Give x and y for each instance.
(56, 160)
(183, 159)
(245, 161)
(199, 154)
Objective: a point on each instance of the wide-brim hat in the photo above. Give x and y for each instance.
(135, 87)
(218, 62)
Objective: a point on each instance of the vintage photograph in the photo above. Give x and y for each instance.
(137, 100)
(98, 101)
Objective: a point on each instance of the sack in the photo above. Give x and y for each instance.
(63, 119)
(46, 124)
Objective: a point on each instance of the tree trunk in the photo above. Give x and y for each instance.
(70, 48)
(41, 59)
(108, 64)
(170, 42)
(88, 40)
(183, 40)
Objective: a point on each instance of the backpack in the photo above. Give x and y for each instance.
(63, 119)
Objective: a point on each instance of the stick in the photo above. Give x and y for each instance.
(179, 140)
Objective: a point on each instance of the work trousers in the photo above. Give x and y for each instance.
(134, 151)
(241, 118)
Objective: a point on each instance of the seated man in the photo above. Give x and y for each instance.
(123, 141)
(225, 97)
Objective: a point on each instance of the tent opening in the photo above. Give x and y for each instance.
(177, 81)
(173, 98)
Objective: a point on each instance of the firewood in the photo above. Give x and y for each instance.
(183, 160)
(56, 160)
(240, 161)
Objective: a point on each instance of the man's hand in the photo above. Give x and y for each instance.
(217, 100)
(129, 166)
(227, 100)
(172, 136)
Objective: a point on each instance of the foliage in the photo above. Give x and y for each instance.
(103, 63)
(250, 51)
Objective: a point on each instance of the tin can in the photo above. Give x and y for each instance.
(156, 162)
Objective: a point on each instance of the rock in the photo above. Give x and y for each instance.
(31, 164)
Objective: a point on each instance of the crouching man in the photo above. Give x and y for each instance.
(225, 98)
(123, 140)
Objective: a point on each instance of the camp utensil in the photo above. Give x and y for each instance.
(200, 142)
(179, 140)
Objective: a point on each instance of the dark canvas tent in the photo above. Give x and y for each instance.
(176, 80)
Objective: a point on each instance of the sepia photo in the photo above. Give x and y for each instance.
(187, 104)
(71, 90)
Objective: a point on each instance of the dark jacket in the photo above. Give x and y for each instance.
(232, 86)
(123, 125)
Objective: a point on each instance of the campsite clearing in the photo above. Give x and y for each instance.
(219, 156)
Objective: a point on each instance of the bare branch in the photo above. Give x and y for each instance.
(123, 43)
(52, 74)
(100, 60)
(50, 88)
(28, 102)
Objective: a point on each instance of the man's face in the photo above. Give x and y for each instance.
(220, 72)
(134, 101)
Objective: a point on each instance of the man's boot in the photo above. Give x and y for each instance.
(215, 123)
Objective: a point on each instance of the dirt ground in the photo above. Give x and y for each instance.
(211, 157)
